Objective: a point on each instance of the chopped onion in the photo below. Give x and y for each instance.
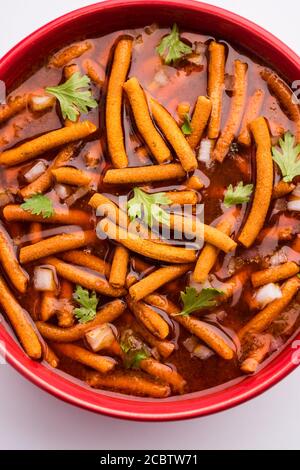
(100, 338)
(267, 294)
(63, 191)
(78, 194)
(296, 191)
(196, 349)
(294, 205)
(161, 78)
(279, 257)
(196, 59)
(44, 279)
(200, 47)
(42, 102)
(204, 151)
(6, 198)
(35, 172)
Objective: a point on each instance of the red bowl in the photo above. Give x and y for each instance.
(101, 19)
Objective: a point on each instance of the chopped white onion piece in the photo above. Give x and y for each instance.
(279, 257)
(41, 102)
(200, 47)
(63, 191)
(296, 191)
(196, 59)
(44, 279)
(196, 349)
(267, 294)
(35, 172)
(78, 194)
(294, 205)
(204, 151)
(100, 338)
(161, 78)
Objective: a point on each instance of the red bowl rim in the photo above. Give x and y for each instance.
(122, 407)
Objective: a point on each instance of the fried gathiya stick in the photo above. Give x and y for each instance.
(190, 226)
(216, 78)
(199, 120)
(130, 382)
(263, 319)
(20, 322)
(233, 122)
(149, 318)
(281, 189)
(173, 134)
(144, 122)
(50, 356)
(13, 212)
(48, 305)
(257, 354)
(164, 347)
(13, 107)
(18, 277)
(164, 373)
(41, 184)
(65, 312)
(76, 353)
(65, 56)
(106, 314)
(285, 98)
(91, 70)
(114, 128)
(56, 244)
(119, 267)
(73, 176)
(46, 142)
(144, 174)
(87, 260)
(274, 274)
(35, 230)
(156, 279)
(207, 333)
(148, 248)
(252, 112)
(182, 197)
(209, 253)
(264, 183)
(84, 278)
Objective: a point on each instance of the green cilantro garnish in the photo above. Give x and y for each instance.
(194, 300)
(287, 160)
(39, 204)
(237, 195)
(88, 304)
(134, 350)
(186, 126)
(147, 207)
(171, 48)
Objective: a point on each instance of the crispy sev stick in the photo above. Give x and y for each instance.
(281, 189)
(194, 182)
(164, 373)
(274, 274)
(84, 278)
(50, 357)
(209, 253)
(149, 318)
(191, 225)
(148, 248)
(202, 330)
(164, 347)
(130, 382)
(73, 176)
(182, 109)
(18, 277)
(182, 197)
(114, 128)
(264, 183)
(13, 212)
(265, 317)
(35, 231)
(20, 322)
(87, 260)
(156, 279)
(235, 115)
(234, 284)
(255, 357)
(46, 142)
(252, 112)
(91, 70)
(106, 314)
(285, 98)
(144, 122)
(56, 244)
(199, 120)
(41, 184)
(76, 353)
(144, 174)
(173, 134)
(65, 312)
(48, 305)
(216, 78)
(13, 107)
(119, 267)
(65, 56)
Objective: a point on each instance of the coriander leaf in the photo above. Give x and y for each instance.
(186, 126)
(194, 300)
(147, 207)
(39, 204)
(134, 350)
(88, 304)
(171, 48)
(237, 195)
(72, 98)
(287, 160)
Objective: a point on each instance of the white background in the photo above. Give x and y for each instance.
(32, 419)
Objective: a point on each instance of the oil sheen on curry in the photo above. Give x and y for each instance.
(150, 199)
